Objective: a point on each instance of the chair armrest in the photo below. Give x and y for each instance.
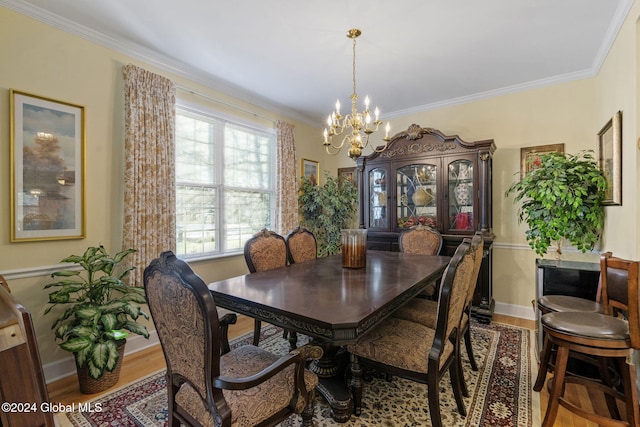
(298, 357)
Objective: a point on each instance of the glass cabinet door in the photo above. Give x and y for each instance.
(378, 217)
(461, 195)
(417, 195)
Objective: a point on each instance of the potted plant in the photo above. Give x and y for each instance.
(562, 199)
(100, 309)
(326, 210)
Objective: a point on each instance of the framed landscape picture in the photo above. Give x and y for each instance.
(310, 170)
(610, 159)
(47, 168)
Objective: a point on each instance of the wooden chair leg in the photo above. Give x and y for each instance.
(628, 373)
(605, 376)
(544, 364)
(293, 340)
(434, 400)
(557, 390)
(257, 326)
(456, 382)
(467, 343)
(307, 412)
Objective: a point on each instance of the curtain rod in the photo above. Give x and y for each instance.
(225, 103)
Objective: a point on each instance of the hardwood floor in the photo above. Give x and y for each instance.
(151, 360)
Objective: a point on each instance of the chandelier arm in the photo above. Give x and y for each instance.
(330, 144)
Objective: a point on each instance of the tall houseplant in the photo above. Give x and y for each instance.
(100, 309)
(562, 199)
(326, 210)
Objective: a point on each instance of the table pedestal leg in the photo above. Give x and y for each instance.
(332, 385)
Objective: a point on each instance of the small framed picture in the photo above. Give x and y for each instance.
(311, 170)
(530, 156)
(47, 168)
(348, 174)
(610, 159)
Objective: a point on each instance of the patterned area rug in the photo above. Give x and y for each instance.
(500, 391)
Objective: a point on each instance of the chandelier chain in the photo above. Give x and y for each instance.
(354, 66)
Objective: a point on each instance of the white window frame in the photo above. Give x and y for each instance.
(221, 120)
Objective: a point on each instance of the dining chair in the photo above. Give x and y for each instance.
(424, 311)
(611, 336)
(207, 385)
(301, 245)
(265, 250)
(421, 240)
(414, 351)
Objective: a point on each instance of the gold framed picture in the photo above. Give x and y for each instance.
(47, 168)
(348, 174)
(530, 156)
(610, 159)
(311, 171)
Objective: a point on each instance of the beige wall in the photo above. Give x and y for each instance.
(43, 60)
(570, 113)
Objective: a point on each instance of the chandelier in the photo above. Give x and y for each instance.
(357, 125)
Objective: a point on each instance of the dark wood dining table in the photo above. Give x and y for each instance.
(333, 305)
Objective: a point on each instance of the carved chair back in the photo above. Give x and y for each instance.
(266, 250)
(301, 245)
(186, 320)
(420, 240)
(245, 386)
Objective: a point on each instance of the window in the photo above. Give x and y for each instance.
(225, 183)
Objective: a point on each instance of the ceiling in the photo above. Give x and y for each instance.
(294, 55)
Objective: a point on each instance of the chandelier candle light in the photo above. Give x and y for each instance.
(356, 122)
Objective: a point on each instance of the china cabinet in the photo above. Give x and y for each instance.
(425, 177)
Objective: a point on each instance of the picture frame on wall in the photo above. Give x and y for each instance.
(529, 156)
(348, 174)
(311, 170)
(610, 159)
(47, 168)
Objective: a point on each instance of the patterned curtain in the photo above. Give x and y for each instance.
(149, 173)
(287, 180)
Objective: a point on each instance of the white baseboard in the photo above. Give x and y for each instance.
(523, 312)
(63, 368)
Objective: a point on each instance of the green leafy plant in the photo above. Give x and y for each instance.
(562, 199)
(326, 210)
(99, 308)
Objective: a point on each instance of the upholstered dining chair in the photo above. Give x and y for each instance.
(206, 386)
(417, 352)
(612, 335)
(421, 240)
(265, 250)
(424, 311)
(301, 245)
